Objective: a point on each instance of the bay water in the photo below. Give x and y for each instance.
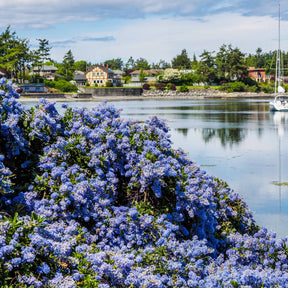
(238, 141)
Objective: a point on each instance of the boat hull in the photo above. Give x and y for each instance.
(279, 104)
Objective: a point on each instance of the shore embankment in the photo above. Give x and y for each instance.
(123, 94)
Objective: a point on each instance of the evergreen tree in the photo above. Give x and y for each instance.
(207, 67)
(42, 53)
(68, 66)
(162, 64)
(114, 64)
(181, 61)
(130, 64)
(237, 66)
(141, 63)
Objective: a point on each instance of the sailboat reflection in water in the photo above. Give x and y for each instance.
(280, 102)
(280, 120)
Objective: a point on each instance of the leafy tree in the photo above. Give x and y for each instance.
(130, 64)
(162, 64)
(181, 61)
(141, 63)
(114, 64)
(14, 53)
(80, 66)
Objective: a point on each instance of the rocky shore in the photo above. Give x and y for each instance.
(205, 93)
(147, 94)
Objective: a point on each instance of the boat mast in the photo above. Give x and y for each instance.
(278, 61)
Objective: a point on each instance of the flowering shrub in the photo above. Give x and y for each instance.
(89, 199)
(170, 75)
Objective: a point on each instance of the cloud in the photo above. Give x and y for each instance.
(32, 14)
(158, 38)
(100, 30)
(99, 39)
(63, 43)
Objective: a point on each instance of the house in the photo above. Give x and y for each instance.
(44, 69)
(149, 75)
(51, 76)
(257, 74)
(80, 79)
(99, 74)
(117, 77)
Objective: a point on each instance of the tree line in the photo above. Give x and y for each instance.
(226, 65)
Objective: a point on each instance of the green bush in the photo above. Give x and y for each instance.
(234, 87)
(49, 83)
(96, 85)
(171, 86)
(109, 84)
(253, 88)
(65, 86)
(183, 88)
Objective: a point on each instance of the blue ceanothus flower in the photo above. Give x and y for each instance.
(90, 199)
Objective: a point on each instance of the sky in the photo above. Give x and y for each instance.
(97, 30)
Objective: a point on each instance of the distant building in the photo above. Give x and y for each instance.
(257, 74)
(42, 70)
(149, 75)
(99, 74)
(52, 76)
(80, 79)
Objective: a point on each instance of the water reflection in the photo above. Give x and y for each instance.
(183, 131)
(226, 135)
(280, 120)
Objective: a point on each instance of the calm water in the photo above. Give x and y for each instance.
(239, 141)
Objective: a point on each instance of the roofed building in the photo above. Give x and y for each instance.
(44, 69)
(80, 79)
(149, 75)
(99, 74)
(257, 74)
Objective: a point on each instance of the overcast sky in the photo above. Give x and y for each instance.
(97, 30)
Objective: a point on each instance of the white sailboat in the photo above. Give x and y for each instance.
(280, 102)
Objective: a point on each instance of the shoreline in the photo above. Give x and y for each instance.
(150, 95)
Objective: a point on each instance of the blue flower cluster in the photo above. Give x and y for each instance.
(89, 199)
